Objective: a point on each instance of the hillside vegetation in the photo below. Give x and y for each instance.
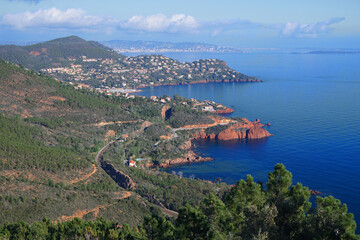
(55, 53)
(247, 211)
(49, 135)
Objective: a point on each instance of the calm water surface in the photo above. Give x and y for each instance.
(313, 104)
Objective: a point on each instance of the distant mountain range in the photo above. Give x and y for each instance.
(158, 47)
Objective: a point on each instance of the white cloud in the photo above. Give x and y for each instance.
(161, 23)
(53, 17)
(295, 29)
(78, 20)
(185, 24)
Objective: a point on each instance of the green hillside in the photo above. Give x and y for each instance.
(50, 134)
(55, 53)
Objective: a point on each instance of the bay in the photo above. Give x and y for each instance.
(313, 104)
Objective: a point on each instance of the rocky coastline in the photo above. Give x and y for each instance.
(226, 110)
(189, 158)
(247, 130)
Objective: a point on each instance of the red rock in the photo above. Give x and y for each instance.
(256, 133)
(225, 111)
(190, 157)
(35, 53)
(163, 111)
(247, 130)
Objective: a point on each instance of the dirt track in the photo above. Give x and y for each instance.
(96, 210)
(84, 177)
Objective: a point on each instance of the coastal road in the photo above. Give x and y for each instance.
(102, 150)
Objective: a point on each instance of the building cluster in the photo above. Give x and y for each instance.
(140, 71)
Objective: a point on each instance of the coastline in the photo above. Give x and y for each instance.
(190, 158)
(198, 82)
(253, 131)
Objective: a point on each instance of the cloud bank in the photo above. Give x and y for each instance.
(79, 20)
(161, 23)
(294, 29)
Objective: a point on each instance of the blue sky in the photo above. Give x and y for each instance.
(237, 23)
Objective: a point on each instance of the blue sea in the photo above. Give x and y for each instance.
(313, 104)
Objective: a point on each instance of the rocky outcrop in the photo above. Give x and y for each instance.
(240, 130)
(153, 199)
(146, 124)
(224, 111)
(190, 157)
(257, 133)
(119, 177)
(186, 146)
(164, 111)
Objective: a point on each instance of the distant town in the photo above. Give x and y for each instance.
(129, 73)
(123, 46)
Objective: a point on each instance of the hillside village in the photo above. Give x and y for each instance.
(142, 71)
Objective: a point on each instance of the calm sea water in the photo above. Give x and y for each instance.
(313, 104)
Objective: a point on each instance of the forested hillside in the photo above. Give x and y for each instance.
(247, 211)
(55, 53)
(50, 134)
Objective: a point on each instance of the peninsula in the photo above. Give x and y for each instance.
(91, 64)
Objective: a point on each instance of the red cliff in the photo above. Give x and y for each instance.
(225, 111)
(190, 157)
(240, 130)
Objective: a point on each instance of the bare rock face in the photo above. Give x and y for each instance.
(256, 133)
(186, 146)
(225, 111)
(122, 179)
(246, 130)
(145, 124)
(164, 110)
(190, 157)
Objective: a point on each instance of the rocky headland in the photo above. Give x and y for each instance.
(239, 130)
(235, 131)
(226, 110)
